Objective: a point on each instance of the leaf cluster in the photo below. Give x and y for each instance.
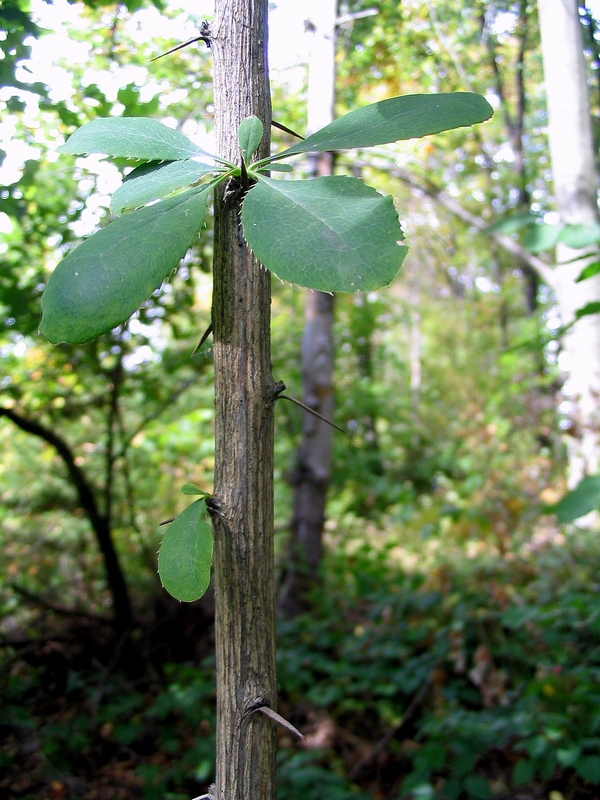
(333, 234)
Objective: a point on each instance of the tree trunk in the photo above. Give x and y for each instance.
(575, 186)
(245, 394)
(312, 473)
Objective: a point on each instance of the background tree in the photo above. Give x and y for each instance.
(576, 188)
(312, 471)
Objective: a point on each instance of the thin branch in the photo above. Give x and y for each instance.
(385, 740)
(427, 187)
(81, 483)
(172, 398)
(38, 600)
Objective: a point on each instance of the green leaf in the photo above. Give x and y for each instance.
(523, 772)
(104, 280)
(580, 236)
(585, 497)
(191, 488)
(334, 233)
(588, 272)
(185, 554)
(131, 137)
(277, 168)
(541, 237)
(153, 181)
(589, 769)
(406, 117)
(588, 308)
(511, 224)
(478, 787)
(250, 134)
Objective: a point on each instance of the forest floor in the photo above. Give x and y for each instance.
(477, 677)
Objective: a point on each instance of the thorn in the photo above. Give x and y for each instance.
(205, 336)
(268, 712)
(283, 128)
(204, 37)
(310, 411)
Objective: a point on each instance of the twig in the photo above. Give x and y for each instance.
(36, 599)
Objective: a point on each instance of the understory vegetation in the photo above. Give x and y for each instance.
(467, 674)
(451, 646)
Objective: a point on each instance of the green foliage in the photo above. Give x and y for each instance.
(407, 117)
(333, 233)
(153, 181)
(104, 280)
(482, 661)
(102, 283)
(585, 497)
(250, 134)
(185, 555)
(131, 137)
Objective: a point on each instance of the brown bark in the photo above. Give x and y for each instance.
(245, 393)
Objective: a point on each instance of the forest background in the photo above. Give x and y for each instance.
(449, 646)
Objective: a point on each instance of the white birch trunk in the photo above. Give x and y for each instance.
(575, 187)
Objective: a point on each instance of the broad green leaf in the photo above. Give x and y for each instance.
(334, 233)
(191, 488)
(406, 117)
(588, 272)
(153, 181)
(131, 137)
(585, 497)
(580, 236)
(250, 134)
(185, 555)
(104, 280)
(541, 237)
(512, 224)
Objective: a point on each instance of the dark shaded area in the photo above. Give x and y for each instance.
(475, 678)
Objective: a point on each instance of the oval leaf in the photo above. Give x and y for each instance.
(250, 134)
(578, 502)
(334, 233)
(406, 117)
(185, 554)
(191, 488)
(153, 181)
(131, 137)
(104, 280)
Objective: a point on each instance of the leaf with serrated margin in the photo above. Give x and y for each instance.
(407, 117)
(107, 277)
(334, 233)
(131, 137)
(185, 555)
(153, 181)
